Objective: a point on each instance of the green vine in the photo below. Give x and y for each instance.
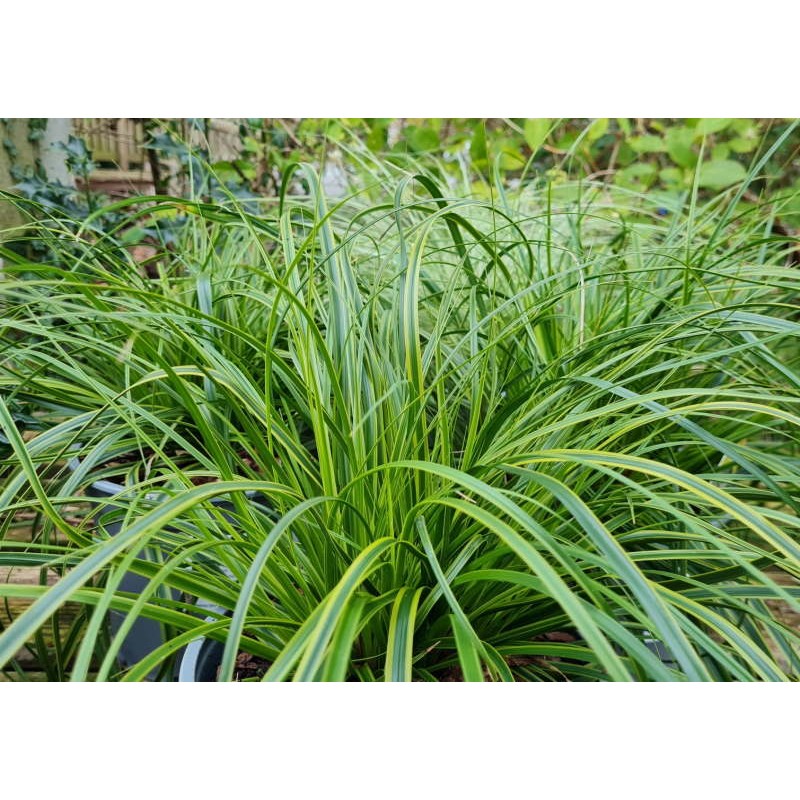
(9, 146)
(36, 129)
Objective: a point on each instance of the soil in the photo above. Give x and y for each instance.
(249, 666)
(454, 674)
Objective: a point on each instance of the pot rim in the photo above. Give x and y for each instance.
(103, 485)
(187, 669)
(112, 488)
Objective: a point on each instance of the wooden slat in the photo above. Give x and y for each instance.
(30, 675)
(21, 531)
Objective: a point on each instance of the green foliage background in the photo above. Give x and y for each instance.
(668, 158)
(640, 153)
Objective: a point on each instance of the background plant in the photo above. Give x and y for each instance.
(663, 156)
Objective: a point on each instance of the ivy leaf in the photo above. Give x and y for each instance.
(36, 128)
(75, 148)
(721, 173)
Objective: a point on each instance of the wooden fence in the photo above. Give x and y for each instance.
(118, 150)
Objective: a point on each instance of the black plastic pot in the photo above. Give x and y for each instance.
(146, 635)
(661, 650)
(201, 658)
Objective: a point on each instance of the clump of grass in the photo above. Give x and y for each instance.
(547, 436)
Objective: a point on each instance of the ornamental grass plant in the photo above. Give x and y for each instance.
(541, 434)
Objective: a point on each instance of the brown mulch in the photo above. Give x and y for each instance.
(249, 667)
(454, 674)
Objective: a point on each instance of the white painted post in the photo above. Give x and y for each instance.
(53, 157)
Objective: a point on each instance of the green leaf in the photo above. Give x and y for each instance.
(536, 131)
(135, 535)
(721, 173)
(597, 128)
(376, 138)
(250, 582)
(620, 564)
(712, 125)
(637, 175)
(671, 176)
(338, 662)
(720, 151)
(421, 139)
(468, 655)
(741, 144)
(679, 146)
(477, 149)
(401, 635)
(332, 608)
(647, 144)
(511, 159)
